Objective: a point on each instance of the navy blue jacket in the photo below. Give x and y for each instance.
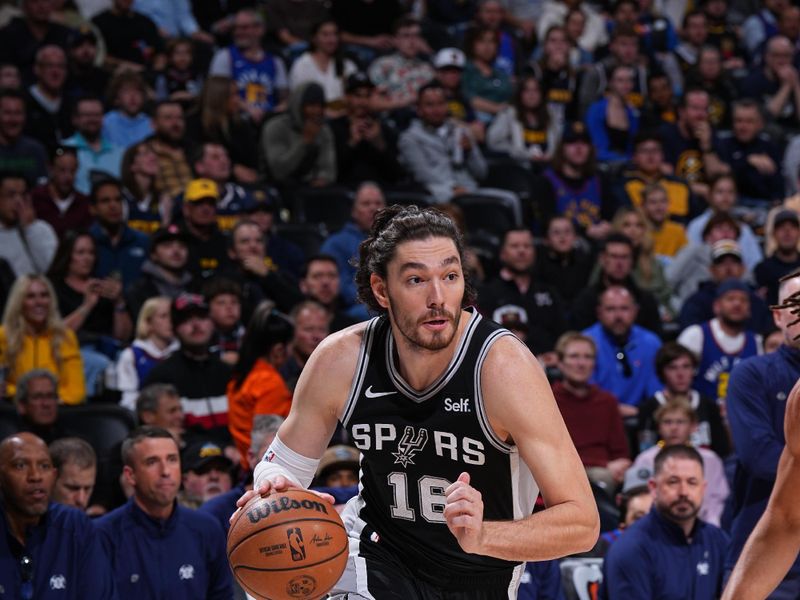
(68, 560)
(653, 560)
(181, 557)
(126, 258)
(223, 506)
(757, 392)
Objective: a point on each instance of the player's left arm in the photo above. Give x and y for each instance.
(521, 408)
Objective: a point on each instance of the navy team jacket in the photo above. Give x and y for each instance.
(68, 562)
(182, 557)
(654, 560)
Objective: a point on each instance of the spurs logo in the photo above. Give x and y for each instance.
(411, 443)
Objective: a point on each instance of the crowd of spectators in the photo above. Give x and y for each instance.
(184, 186)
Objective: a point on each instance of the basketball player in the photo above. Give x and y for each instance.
(773, 546)
(456, 423)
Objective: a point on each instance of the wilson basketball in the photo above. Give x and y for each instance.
(289, 545)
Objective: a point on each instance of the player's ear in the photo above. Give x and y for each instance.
(378, 285)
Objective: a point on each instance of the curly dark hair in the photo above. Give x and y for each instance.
(392, 226)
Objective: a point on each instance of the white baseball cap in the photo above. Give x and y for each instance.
(450, 57)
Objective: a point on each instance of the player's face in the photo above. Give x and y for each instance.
(422, 292)
(675, 427)
(26, 476)
(678, 489)
(74, 485)
(156, 471)
(678, 375)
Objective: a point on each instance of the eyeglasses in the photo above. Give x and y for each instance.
(627, 371)
(26, 571)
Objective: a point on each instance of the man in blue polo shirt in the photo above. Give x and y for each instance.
(626, 353)
(47, 551)
(669, 554)
(157, 548)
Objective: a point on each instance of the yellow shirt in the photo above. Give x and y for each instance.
(37, 353)
(677, 194)
(670, 238)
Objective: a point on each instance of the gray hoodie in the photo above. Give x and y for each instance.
(285, 155)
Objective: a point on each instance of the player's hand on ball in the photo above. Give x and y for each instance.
(463, 510)
(279, 484)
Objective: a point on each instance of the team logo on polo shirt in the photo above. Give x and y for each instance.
(186, 572)
(58, 582)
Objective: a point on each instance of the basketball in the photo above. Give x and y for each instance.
(291, 544)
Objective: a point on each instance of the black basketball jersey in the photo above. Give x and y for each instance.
(415, 444)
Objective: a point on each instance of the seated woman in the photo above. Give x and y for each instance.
(486, 88)
(257, 387)
(33, 336)
(648, 272)
(324, 64)
(612, 122)
(525, 130)
(146, 207)
(93, 308)
(154, 342)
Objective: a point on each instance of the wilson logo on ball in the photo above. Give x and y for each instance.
(265, 509)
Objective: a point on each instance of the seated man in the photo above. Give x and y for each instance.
(676, 422)
(37, 402)
(670, 552)
(311, 326)
(206, 474)
(590, 413)
(75, 463)
(320, 282)
(516, 289)
(47, 551)
(27, 243)
(56, 201)
(722, 342)
(625, 352)
(726, 263)
(199, 377)
(155, 545)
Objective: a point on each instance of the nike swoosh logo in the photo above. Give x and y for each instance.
(370, 394)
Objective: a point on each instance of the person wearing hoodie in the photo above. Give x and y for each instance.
(164, 273)
(297, 147)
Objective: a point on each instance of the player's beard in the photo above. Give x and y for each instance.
(419, 339)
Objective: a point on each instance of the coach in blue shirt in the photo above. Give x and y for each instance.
(669, 554)
(47, 551)
(158, 549)
(626, 353)
(756, 401)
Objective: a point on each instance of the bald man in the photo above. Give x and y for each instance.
(47, 551)
(626, 352)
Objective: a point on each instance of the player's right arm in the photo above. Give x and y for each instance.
(775, 542)
(319, 399)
